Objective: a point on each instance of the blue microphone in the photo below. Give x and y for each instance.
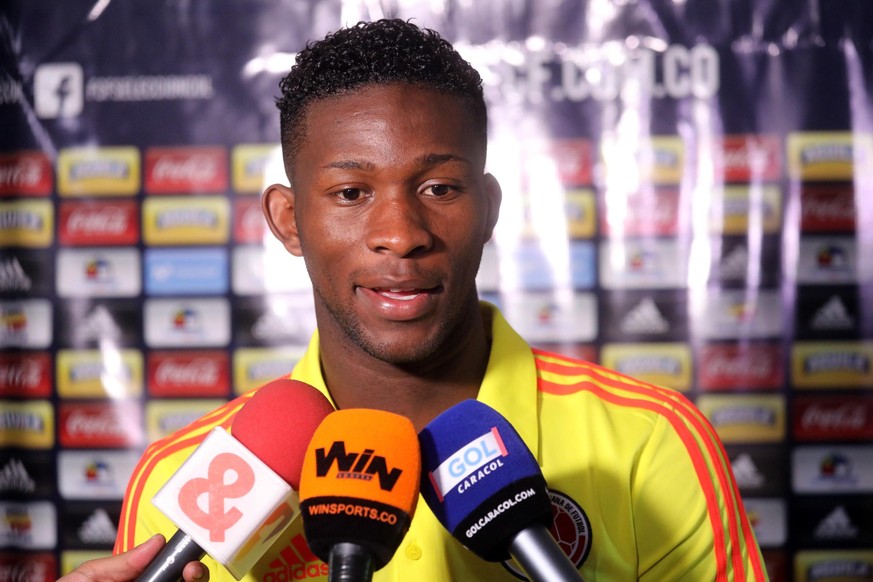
(484, 485)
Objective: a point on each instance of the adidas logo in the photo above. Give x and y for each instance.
(735, 265)
(836, 525)
(14, 478)
(746, 472)
(98, 529)
(645, 318)
(13, 277)
(833, 315)
(296, 562)
(98, 325)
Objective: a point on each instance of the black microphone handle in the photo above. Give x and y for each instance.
(349, 562)
(167, 566)
(534, 549)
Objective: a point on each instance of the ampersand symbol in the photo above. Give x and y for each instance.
(217, 520)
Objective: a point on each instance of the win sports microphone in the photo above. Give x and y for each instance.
(358, 490)
(484, 485)
(235, 494)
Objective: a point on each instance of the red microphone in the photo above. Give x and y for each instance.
(278, 422)
(236, 494)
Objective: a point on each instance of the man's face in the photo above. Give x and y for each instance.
(390, 209)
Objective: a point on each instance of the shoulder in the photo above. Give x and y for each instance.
(566, 380)
(165, 455)
(192, 434)
(630, 413)
(159, 461)
(563, 375)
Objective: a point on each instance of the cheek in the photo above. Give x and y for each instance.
(466, 238)
(470, 227)
(322, 232)
(329, 250)
(342, 235)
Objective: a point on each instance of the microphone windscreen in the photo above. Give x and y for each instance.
(360, 482)
(277, 423)
(480, 479)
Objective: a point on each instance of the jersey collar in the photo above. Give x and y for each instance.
(509, 386)
(510, 383)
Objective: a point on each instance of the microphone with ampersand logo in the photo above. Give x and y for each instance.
(235, 494)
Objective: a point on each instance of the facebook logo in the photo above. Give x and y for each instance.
(58, 90)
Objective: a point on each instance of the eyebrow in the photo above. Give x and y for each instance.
(426, 160)
(350, 165)
(431, 160)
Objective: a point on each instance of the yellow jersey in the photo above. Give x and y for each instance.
(640, 484)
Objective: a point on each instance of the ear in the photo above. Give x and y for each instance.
(277, 202)
(493, 197)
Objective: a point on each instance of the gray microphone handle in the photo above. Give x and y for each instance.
(534, 549)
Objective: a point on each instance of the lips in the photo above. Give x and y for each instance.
(399, 302)
(400, 294)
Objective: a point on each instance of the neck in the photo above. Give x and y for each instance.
(420, 392)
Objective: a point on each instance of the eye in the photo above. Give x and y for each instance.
(349, 194)
(440, 190)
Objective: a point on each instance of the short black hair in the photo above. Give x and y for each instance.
(382, 52)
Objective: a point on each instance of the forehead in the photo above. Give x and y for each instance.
(386, 118)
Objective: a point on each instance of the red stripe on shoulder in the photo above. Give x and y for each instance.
(161, 449)
(674, 406)
(697, 461)
(568, 367)
(715, 450)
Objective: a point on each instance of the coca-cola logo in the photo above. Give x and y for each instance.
(197, 168)
(728, 368)
(109, 220)
(92, 424)
(24, 375)
(742, 157)
(253, 220)
(21, 173)
(663, 208)
(115, 424)
(644, 215)
(744, 366)
(842, 417)
(666, 209)
(249, 224)
(752, 158)
(571, 160)
(836, 208)
(198, 372)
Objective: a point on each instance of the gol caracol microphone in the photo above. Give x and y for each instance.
(358, 490)
(485, 487)
(235, 494)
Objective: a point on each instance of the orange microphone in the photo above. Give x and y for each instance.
(358, 490)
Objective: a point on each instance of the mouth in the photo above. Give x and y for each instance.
(400, 293)
(400, 303)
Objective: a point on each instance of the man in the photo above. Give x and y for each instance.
(383, 132)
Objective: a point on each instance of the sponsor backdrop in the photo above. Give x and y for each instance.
(688, 198)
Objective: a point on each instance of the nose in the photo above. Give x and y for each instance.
(398, 225)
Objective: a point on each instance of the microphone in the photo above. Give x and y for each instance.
(235, 494)
(358, 490)
(485, 487)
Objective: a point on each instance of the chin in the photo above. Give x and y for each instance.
(400, 355)
(403, 351)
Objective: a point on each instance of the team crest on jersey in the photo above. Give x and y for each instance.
(571, 530)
